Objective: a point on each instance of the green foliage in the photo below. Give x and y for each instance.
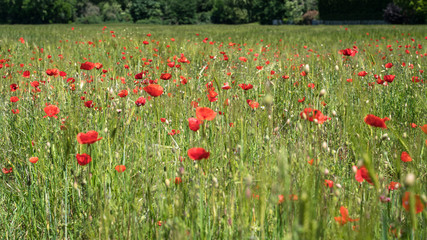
(112, 12)
(257, 183)
(352, 9)
(229, 12)
(182, 11)
(294, 11)
(271, 10)
(145, 9)
(201, 11)
(415, 11)
(90, 14)
(36, 11)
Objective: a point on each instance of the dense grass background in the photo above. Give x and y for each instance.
(235, 193)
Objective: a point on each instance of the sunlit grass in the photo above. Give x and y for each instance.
(256, 155)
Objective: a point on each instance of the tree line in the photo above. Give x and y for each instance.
(209, 11)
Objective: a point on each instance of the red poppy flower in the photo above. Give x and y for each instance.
(123, 93)
(362, 73)
(88, 138)
(226, 86)
(139, 75)
(389, 78)
(424, 128)
(52, 72)
(393, 186)
(344, 218)
(165, 76)
(363, 174)
(62, 74)
(348, 52)
(212, 95)
(89, 104)
(13, 87)
(312, 114)
(243, 59)
(14, 99)
(405, 157)
(281, 199)
(154, 90)
(198, 153)
(51, 111)
(375, 121)
(120, 168)
(87, 66)
(245, 86)
(419, 205)
(178, 180)
(252, 103)
(329, 183)
(7, 170)
(26, 74)
(140, 101)
(98, 65)
(205, 113)
(83, 159)
(389, 65)
(35, 84)
(33, 159)
(194, 124)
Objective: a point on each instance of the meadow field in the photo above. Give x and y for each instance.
(213, 132)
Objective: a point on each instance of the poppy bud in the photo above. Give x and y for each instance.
(322, 93)
(215, 181)
(326, 171)
(384, 137)
(307, 68)
(354, 168)
(410, 179)
(304, 116)
(248, 192)
(248, 180)
(167, 182)
(334, 113)
(324, 145)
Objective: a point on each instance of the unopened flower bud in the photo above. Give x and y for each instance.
(322, 92)
(410, 179)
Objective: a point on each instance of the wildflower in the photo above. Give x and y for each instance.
(88, 138)
(375, 121)
(405, 157)
(205, 113)
(344, 218)
(33, 159)
(51, 111)
(198, 153)
(154, 90)
(194, 124)
(419, 205)
(83, 159)
(120, 168)
(363, 174)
